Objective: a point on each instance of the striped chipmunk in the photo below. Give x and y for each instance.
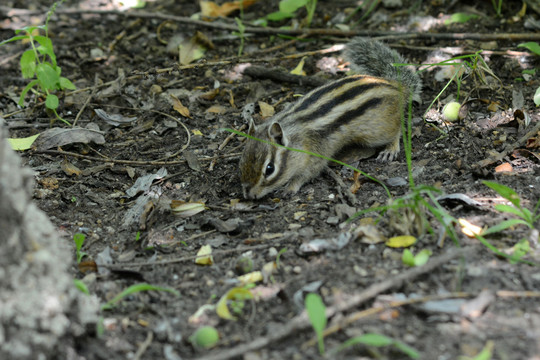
(355, 112)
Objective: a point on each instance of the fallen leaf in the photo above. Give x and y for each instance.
(401, 241)
(267, 110)
(193, 49)
(469, 229)
(506, 167)
(69, 169)
(211, 9)
(186, 209)
(234, 294)
(22, 143)
(184, 111)
(217, 109)
(204, 256)
(115, 119)
(56, 137)
(299, 69)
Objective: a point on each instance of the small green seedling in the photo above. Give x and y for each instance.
(526, 217)
(415, 260)
(79, 284)
(278, 257)
(460, 18)
(135, 289)
(378, 340)
(288, 8)
(317, 316)
(39, 64)
(241, 34)
(78, 239)
(497, 6)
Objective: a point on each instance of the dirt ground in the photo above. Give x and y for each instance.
(174, 119)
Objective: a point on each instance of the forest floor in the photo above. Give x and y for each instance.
(161, 142)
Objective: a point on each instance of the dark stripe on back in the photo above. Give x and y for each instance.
(318, 93)
(342, 98)
(350, 115)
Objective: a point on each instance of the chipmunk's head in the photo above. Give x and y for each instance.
(262, 165)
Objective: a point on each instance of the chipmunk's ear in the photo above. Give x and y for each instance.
(275, 132)
(252, 128)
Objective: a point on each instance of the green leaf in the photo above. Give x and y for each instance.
(422, 257)
(51, 102)
(510, 209)
(46, 47)
(407, 258)
(28, 64)
(521, 249)
(134, 289)
(460, 18)
(30, 29)
(531, 46)
(21, 144)
(81, 286)
(25, 90)
(290, 6)
(65, 83)
(378, 340)
(317, 316)
(279, 15)
(47, 76)
(537, 97)
(503, 226)
(78, 239)
(505, 192)
(316, 311)
(15, 38)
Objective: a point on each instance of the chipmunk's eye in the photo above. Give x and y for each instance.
(269, 169)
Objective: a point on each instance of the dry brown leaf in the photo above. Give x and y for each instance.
(211, 9)
(267, 110)
(70, 169)
(184, 111)
(217, 109)
(533, 142)
(506, 167)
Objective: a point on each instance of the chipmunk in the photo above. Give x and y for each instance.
(358, 111)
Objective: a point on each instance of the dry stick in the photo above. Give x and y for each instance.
(144, 346)
(222, 146)
(272, 31)
(509, 148)
(87, 101)
(186, 258)
(129, 162)
(301, 322)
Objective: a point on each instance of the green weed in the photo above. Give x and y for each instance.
(288, 8)
(78, 239)
(39, 64)
(317, 316)
(497, 6)
(132, 290)
(377, 340)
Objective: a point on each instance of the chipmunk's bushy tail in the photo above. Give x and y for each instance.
(371, 57)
